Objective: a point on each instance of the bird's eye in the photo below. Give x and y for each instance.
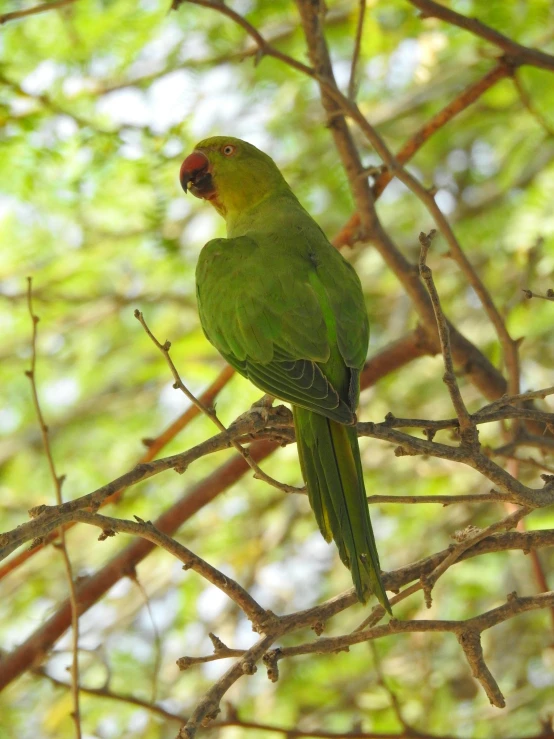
(229, 150)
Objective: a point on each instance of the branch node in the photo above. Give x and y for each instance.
(248, 667)
(270, 660)
(217, 643)
(341, 649)
(427, 587)
(211, 716)
(106, 533)
(37, 511)
(318, 627)
(183, 663)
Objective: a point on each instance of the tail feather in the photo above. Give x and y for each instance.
(331, 466)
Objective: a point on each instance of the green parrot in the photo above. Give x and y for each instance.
(286, 310)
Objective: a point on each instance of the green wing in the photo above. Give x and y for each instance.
(293, 321)
(268, 312)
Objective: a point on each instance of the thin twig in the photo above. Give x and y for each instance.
(514, 606)
(352, 84)
(154, 446)
(530, 106)
(444, 500)
(58, 482)
(510, 399)
(468, 539)
(147, 530)
(347, 236)
(395, 703)
(501, 412)
(211, 414)
(264, 48)
(530, 294)
(468, 432)
(208, 708)
(157, 639)
(509, 346)
(517, 53)
(35, 10)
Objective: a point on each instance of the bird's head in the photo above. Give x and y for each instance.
(231, 174)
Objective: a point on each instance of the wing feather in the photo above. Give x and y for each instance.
(260, 310)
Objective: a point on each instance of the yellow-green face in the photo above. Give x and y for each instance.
(231, 174)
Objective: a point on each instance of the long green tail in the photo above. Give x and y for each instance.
(331, 466)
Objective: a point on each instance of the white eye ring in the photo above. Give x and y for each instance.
(229, 150)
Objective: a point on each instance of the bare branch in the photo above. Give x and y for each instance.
(58, 482)
(468, 431)
(211, 414)
(531, 107)
(208, 708)
(35, 10)
(514, 606)
(348, 235)
(264, 48)
(90, 590)
(517, 53)
(470, 641)
(147, 530)
(530, 294)
(154, 446)
(352, 84)
(466, 540)
(445, 500)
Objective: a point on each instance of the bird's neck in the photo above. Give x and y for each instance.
(263, 214)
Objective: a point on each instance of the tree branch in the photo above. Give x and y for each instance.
(517, 54)
(58, 482)
(348, 235)
(35, 10)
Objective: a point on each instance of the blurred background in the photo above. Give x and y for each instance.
(100, 101)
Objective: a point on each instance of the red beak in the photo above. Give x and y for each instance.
(195, 170)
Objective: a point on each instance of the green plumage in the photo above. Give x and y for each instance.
(287, 311)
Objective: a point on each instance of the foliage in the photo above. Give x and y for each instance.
(99, 103)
